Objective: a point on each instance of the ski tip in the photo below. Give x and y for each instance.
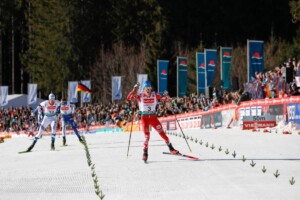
(20, 152)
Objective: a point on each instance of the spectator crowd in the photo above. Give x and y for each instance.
(277, 83)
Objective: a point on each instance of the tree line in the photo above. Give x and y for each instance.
(51, 42)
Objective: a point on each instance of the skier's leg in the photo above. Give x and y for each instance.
(158, 127)
(72, 123)
(53, 133)
(44, 124)
(63, 130)
(145, 128)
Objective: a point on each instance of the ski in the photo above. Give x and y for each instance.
(182, 155)
(26, 151)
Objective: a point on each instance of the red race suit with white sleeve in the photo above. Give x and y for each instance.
(147, 105)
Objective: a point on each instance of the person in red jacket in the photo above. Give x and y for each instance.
(147, 101)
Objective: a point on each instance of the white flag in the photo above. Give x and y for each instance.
(116, 88)
(4, 94)
(297, 81)
(85, 96)
(72, 91)
(31, 93)
(141, 79)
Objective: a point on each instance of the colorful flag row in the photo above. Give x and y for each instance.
(206, 64)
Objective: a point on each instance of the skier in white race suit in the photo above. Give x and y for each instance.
(50, 109)
(67, 110)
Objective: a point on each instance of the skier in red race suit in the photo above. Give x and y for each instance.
(147, 101)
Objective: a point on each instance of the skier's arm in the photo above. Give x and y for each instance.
(133, 94)
(164, 99)
(35, 110)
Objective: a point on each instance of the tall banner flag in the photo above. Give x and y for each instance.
(31, 93)
(3, 95)
(72, 91)
(162, 74)
(200, 73)
(141, 78)
(85, 95)
(226, 63)
(210, 64)
(181, 76)
(116, 88)
(255, 57)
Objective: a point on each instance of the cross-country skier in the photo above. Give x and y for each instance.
(67, 110)
(49, 108)
(147, 101)
(40, 116)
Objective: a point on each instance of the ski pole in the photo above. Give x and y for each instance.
(130, 137)
(182, 133)
(137, 85)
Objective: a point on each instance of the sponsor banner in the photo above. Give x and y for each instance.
(217, 117)
(162, 74)
(3, 95)
(190, 122)
(201, 73)
(135, 128)
(255, 57)
(264, 121)
(227, 115)
(164, 125)
(72, 91)
(86, 96)
(293, 113)
(274, 110)
(211, 120)
(141, 78)
(172, 125)
(181, 76)
(31, 93)
(210, 65)
(226, 63)
(116, 87)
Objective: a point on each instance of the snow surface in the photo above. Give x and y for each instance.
(64, 173)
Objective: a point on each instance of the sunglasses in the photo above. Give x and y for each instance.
(148, 88)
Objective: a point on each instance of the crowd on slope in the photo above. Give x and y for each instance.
(277, 83)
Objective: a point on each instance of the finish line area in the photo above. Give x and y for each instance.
(231, 167)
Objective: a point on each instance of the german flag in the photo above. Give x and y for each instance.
(83, 88)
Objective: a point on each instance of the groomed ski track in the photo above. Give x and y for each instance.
(65, 175)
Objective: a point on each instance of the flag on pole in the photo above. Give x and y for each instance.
(181, 76)
(72, 91)
(141, 79)
(226, 63)
(4, 94)
(85, 95)
(210, 64)
(116, 88)
(162, 74)
(200, 67)
(31, 93)
(83, 88)
(255, 57)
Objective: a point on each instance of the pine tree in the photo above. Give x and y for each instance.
(49, 48)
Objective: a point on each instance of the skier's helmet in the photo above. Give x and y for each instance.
(146, 85)
(51, 96)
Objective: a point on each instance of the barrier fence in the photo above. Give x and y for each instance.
(248, 115)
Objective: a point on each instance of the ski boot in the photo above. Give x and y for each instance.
(64, 141)
(52, 146)
(81, 140)
(145, 155)
(31, 146)
(172, 150)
